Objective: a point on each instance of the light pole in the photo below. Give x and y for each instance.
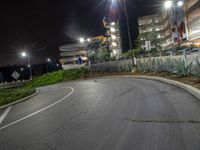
(48, 61)
(22, 70)
(24, 54)
(83, 41)
(128, 29)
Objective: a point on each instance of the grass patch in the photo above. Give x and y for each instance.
(11, 95)
(56, 77)
(47, 79)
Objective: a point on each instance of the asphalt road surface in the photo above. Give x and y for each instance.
(104, 114)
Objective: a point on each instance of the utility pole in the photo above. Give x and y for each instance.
(128, 29)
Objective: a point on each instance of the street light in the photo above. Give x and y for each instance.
(82, 40)
(48, 60)
(22, 70)
(180, 3)
(128, 29)
(24, 54)
(168, 4)
(88, 40)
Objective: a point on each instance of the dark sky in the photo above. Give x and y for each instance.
(43, 25)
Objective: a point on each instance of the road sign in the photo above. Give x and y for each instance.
(15, 75)
(148, 45)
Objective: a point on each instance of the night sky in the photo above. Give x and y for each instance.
(43, 25)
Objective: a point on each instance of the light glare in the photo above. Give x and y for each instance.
(180, 3)
(23, 54)
(168, 4)
(82, 40)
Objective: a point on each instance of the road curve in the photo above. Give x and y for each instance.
(104, 114)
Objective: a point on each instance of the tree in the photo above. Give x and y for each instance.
(103, 54)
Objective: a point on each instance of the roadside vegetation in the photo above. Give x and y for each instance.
(11, 95)
(170, 68)
(14, 94)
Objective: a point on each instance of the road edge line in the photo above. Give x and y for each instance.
(20, 100)
(41, 110)
(5, 113)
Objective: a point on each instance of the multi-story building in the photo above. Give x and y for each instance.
(72, 52)
(193, 19)
(113, 38)
(177, 26)
(156, 29)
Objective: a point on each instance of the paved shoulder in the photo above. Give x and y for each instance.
(109, 114)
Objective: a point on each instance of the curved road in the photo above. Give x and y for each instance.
(104, 114)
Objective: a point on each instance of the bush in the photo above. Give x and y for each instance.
(113, 66)
(173, 66)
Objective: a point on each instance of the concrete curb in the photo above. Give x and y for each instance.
(190, 89)
(19, 101)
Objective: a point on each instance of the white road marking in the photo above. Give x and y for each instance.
(5, 114)
(35, 113)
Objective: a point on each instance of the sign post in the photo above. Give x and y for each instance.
(15, 75)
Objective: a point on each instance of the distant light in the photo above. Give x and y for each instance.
(113, 37)
(114, 44)
(112, 29)
(21, 69)
(114, 52)
(168, 4)
(48, 59)
(157, 29)
(180, 3)
(23, 54)
(29, 66)
(88, 39)
(82, 40)
(113, 23)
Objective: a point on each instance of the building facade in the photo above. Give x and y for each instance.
(71, 53)
(193, 18)
(177, 26)
(113, 38)
(156, 29)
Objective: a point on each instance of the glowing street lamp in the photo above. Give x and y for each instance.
(48, 59)
(180, 3)
(82, 40)
(24, 54)
(168, 4)
(88, 40)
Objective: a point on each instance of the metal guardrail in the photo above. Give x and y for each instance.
(10, 85)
